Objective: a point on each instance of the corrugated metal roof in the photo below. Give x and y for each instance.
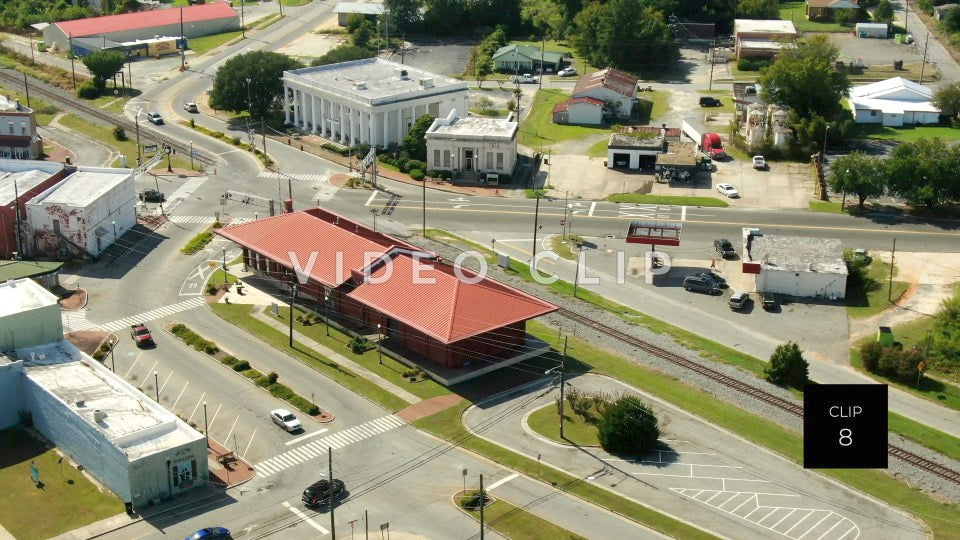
(612, 79)
(565, 105)
(26, 269)
(145, 19)
(443, 306)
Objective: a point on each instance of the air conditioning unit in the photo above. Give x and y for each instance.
(360, 85)
(99, 416)
(426, 82)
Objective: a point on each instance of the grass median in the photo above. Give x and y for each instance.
(516, 523)
(675, 200)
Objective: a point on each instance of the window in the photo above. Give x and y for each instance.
(446, 158)
(873, 113)
(23, 128)
(499, 160)
(436, 158)
(489, 160)
(11, 127)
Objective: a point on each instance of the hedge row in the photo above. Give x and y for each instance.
(192, 339)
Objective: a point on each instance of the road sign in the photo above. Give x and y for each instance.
(921, 367)
(34, 472)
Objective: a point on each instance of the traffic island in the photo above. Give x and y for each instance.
(227, 469)
(509, 520)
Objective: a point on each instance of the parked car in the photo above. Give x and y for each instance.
(210, 533)
(190, 107)
(152, 195)
(769, 302)
(759, 163)
(708, 101)
(717, 278)
(318, 493)
(728, 190)
(286, 420)
(738, 300)
(697, 283)
(155, 118)
(141, 335)
(568, 72)
(724, 248)
(526, 78)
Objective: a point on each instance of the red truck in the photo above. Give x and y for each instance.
(141, 335)
(708, 143)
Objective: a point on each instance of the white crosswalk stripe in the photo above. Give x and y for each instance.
(74, 321)
(153, 314)
(325, 190)
(201, 220)
(318, 447)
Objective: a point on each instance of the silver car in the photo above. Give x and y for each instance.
(286, 420)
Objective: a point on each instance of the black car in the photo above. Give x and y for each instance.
(769, 302)
(152, 195)
(724, 248)
(718, 279)
(707, 101)
(698, 283)
(318, 493)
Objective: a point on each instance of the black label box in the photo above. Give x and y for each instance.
(845, 426)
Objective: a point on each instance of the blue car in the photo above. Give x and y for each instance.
(210, 533)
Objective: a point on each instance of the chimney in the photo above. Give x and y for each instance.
(665, 145)
(360, 85)
(99, 416)
(401, 73)
(80, 403)
(663, 130)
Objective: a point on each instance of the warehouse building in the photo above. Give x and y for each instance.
(761, 38)
(371, 101)
(795, 265)
(189, 21)
(473, 147)
(20, 181)
(345, 10)
(129, 443)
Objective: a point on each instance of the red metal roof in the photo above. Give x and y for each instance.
(145, 19)
(565, 105)
(612, 79)
(442, 305)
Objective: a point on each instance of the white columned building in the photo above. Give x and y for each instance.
(370, 101)
(473, 147)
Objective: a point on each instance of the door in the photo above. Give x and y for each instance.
(468, 160)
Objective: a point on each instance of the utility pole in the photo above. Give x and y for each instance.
(32, 59)
(130, 75)
(543, 43)
(26, 88)
(16, 208)
(293, 300)
(73, 70)
(136, 120)
(403, 47)
(224, 266)
(563, 380)
(366, 530)
(243, 24)
(713, 51)
(893, 253)
(482, 497)
(183, 44)
(280, 3)
(333, 525)
(906, 7)
(924, 63)
(536, 216)
(423, 204)
(263, 132)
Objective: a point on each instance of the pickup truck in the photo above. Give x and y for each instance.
(526, 78)
(141, 335)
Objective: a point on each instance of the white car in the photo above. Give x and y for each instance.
(286, 420)
(567, 72)
(155, 118)
(190, 107)
(728, 190)
(759, 163)
(526, 78)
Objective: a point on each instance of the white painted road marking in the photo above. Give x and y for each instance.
(683, 213)
(153, 314)
(372, 197)
(502, 481)
(593, 206)
(307, 436)
(304, 517)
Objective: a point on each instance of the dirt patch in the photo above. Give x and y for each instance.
(428, 406)
(71, 300)
(339, 180)
(88, 341)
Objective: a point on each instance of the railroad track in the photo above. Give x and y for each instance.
(15, 81)
(766, 397)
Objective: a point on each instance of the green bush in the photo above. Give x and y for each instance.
(787, 366)
(343, 151)
(870, 354)
(241, 365)
(252, 374)
(752, 64)
(88, 90)
(416, 174)
(281, 391)
(212, 289)
(217, 134)
(178, 329)
(416, 164)
(119, 134)
(273, 377)
(304, 405)
(360, 344)
(192, 124)
(628, 426)
(99, 355)
(229, 360)
(211, 348)
(235, 141)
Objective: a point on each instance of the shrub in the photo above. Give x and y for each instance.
(229, 360)
(748, 64)
(471, 500)
(192, 124)
(360, 344)
(629, 426)
(416, 174)
(846, 17)
(211, 348)
(870, 355)
(241, 365)
(235, 141)
(787, 366)
(252, 374)
(178, 329)
(217, 134)
(281, 391)
(119, 134)
(262, 380)
(273, 377)
(212, 289)
(88, 90)
(304, 405)
(416, 164)
(99, 355)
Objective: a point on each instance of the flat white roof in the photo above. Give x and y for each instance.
(476, 127)
(9, 104)
(768, 26)
(374, 81)
(25, 180)
(372, 8)
(19, 295)
(893, 106)
(85, 186)
(799, 254)
(133, 422)
(755, 43)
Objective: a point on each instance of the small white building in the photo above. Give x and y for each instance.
(370, 10)
(615, 88)
(472, 146)
(84, 213)
(18, 131)
(795, 265)
(893, 102)
(871, 30)
(371, 101)
(761, 38)
(585, 111)
(127, 441)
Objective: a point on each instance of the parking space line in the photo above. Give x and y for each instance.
(714, 495)
(149, 371)
(752, 498)
(830, 529)
(229, 433)
(503, 480)
(842, 536)
(593, 206)
(772, 510)
(305, 518)
(805, 516)
(164, 385)
(137, 359)
(783, 518)
(247, 449)
(372, 197)
(307, 436)
(197, 406)
(214, 419)
(829, 513)
(180, 395)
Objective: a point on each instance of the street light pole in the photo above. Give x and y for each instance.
(823, 156)
(536, 218)
(114, 230)
(326, 313)
(379, 346)
(563, 380)
(156, 384)
(249, 110)
(293, 300)
(847, 180)
(206, 430)
(224, 266)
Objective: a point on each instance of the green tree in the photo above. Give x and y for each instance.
(947, 99)
(846, 17)
(884, 12)
(549, 17)
(405, 14)
(415, 142)
(758, 9)
(858, 174)
(344, 52)
(103, 65)
(804, 77)
(945, 337)
(363, 33)
(870, 353)
(479, 65)
(484, 103)
(127, 6)
(925, 171)
(787, 366)
(951, 19)
(264, 69)
(625, 34)
(628, 426)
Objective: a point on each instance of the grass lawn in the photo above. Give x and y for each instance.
(879, 72)
(871, 298)
(830, 207)
(217, 277)
(63, 504)
(944, 443)
(198, 242)
(936, 390)
(517, 524)
(202, 45)
(677, 200)
(265, 22)
(726, 96)
(577, 429)
(104, 135)
(239, 315)
(875, 131)
(538, 130)
(562, 245)
(598, 149)
(295, 3)
(660, 105)
(493, 113)
(797, 12)
(579, 62)
(390, 370)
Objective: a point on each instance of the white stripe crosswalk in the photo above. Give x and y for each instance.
(317, 448)
(153, 314)
(201, 220)
(324, 189)
(74, 321)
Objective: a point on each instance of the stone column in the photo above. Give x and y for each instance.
(386, 128)
(286, 105)
(364, 128)
(296, 108)
(343, 127)
(354, 128)
(400, 125)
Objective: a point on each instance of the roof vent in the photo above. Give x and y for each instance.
(360, 85)
(426, 82)
(80, 403)
(99, 416)
(402, 73)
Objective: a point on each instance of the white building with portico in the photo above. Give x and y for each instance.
(371, 101)
(472, 147)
